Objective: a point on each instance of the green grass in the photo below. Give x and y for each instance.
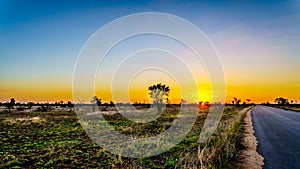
(57, 139)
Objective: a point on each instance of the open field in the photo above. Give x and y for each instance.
(48, 139)
(292, 107)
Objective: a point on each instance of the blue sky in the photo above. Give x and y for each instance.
(40, 41)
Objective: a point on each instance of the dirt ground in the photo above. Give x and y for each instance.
(249, 157)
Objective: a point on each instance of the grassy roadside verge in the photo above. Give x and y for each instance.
(291, 107)
(221, 150)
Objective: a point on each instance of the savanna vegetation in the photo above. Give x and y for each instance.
(50, 135)
(56, 139)
(286, 104)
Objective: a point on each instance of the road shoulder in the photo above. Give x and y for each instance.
(248, 157)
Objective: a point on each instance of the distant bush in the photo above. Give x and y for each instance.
(43, 109)
(20, 108)
(104, 109)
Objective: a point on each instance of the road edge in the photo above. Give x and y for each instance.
(248, 157)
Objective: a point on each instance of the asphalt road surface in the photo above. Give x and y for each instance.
(278, 136)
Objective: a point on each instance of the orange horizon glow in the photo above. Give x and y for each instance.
(61, 89)
(257, 94)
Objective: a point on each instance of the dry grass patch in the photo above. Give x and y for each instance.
(24, 120)
(249, 157)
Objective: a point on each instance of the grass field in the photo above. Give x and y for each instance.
(292, 107)
(56, 139)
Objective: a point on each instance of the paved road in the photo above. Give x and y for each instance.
(278, 135)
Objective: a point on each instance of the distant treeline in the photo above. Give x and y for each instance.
(97, 101)
(31, 104)
(70, 104)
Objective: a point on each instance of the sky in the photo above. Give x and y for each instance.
(257, 42)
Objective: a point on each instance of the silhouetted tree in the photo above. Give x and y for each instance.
(111, 104)
(12, 101)
(70, 105)
(96, 100)
(159, 94)
(11, 104)
(281, 100)
(29, 105)
(236, 101)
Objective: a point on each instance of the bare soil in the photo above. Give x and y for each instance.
(249, 157)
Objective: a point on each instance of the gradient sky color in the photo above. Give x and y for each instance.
(257, 41)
